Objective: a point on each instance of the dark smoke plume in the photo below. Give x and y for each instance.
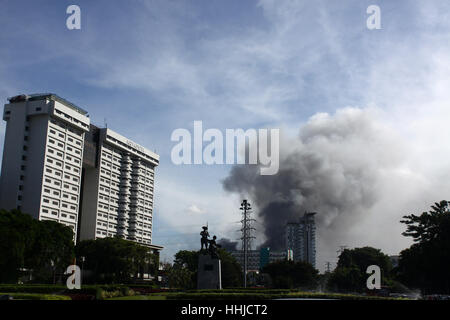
(228, 244)
(332, 168)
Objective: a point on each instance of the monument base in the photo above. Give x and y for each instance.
(209, 274)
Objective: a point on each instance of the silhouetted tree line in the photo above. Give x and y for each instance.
(350, 273)
(286, 274)
(114, 260)
(424, 265)
(46, 249)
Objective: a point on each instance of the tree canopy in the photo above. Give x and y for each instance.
(289, 274)
(46, 247)
(350, 273)
(115, 260)
(425, 264)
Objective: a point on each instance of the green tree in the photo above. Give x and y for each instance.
(16, 236)
(115, 260)
(289, 274)
(54, 243)
(46, 247)
(232, 275)
(350, 273)
(188, 259)
(347, 279)
(425, 264)
(180, 276)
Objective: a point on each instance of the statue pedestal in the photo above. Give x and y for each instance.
(209, 274)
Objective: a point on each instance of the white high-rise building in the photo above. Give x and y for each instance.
(57, 166)
(117, 188)
(42, 157)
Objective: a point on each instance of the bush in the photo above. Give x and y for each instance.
(95, 291)
(268, 296)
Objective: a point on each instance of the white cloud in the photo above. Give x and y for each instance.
(194, 209)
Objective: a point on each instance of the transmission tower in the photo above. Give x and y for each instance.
(246, 234)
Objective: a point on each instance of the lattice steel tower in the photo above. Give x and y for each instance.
(246, 233)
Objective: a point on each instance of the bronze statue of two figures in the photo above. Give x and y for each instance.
(209, 245)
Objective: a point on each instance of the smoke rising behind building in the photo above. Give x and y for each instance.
(339, 166)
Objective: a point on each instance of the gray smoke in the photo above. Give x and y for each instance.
(228, 244)
(332, 168)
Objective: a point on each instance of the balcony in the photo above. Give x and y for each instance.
(125, 184)
(126, 159)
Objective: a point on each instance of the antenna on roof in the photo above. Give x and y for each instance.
(105, 123)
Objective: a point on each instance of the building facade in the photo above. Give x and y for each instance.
(42, 158)
(118, 185)
(58, 166)
(301, 239)
(258, 259)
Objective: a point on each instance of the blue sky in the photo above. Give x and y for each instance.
(149, 67)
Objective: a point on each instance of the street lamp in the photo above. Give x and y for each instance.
(83, 258)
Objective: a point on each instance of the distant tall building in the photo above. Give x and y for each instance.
(57, 166)
(301, 239)
(258, 259)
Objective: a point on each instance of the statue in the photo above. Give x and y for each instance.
(204, 240)
(213, 248)
(209, 246)
(209, 274)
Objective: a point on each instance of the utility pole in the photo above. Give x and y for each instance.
(246, 234)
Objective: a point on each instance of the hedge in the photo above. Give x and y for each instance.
(100, 292)
(33, 288)
(269, 296)
(35, 296)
